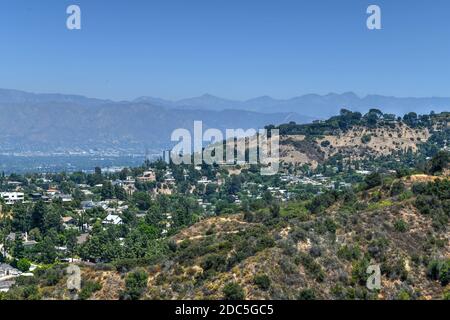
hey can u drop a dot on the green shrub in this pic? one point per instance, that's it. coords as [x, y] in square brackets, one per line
[366, 138]
[380, 205]
[439, 270]
[50, 277]
[214, 262]
[400, 225]
[23, 265]
[307, 294]
[394, 268]
[233, 291]
[446, 295]
[373, 180]
[439, 162]
[405, 195]
[403, 295]
[262, 281]
[397, 188]
[88, 288]
[135, 284]
[359, 271]
[349, 253]
[312, 266]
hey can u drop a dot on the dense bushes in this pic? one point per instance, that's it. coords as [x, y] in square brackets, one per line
[373, 180]
[135, 284]
[349, 253]
[312, 267]
[307, 294]
[23, 265]
[214, 262]
[439, 163]
[322, 202]
[434, 199]
[400, 225]
[397, 188]
[439, 270]
[51, 276]
[233, 291]
[88, 288]
[262, 281]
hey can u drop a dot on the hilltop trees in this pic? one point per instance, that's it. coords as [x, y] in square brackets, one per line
[348, 119]
[372, 117]
[410, 119]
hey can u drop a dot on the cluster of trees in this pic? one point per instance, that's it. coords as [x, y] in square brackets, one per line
[135, 285]
[348, 119]
[433, 199]
[439, 163]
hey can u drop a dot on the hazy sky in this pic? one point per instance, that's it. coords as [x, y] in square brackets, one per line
[230, 48]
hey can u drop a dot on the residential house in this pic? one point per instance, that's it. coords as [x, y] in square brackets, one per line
[7, 270]
[12, 197]
[147, 176]
[113, 219]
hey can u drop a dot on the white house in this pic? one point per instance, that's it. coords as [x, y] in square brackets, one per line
[113, 219]
[12, 197]
[204, 180]
[6, 270]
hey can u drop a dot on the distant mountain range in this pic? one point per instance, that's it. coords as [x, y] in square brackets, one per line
[311, 105]
[53, 122]
[48, 122]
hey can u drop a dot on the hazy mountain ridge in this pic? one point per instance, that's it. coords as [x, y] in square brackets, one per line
[18, 97]
[32, 121]
[50, 125]
[313, 105]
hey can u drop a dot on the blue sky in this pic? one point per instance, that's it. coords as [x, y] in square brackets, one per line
[231, 48]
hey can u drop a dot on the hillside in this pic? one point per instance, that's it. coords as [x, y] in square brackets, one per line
[320, 253]
[312, 250]
[356, 143]
[350, 137]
